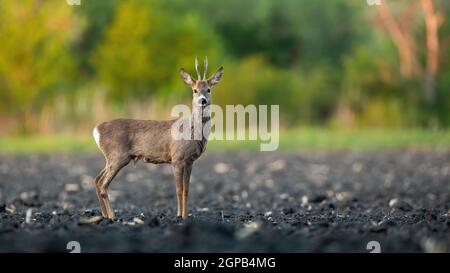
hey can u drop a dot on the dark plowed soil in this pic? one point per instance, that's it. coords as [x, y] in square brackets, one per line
[239, 201]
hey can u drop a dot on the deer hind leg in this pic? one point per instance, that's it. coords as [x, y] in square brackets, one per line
[97, 181]
[111, 170]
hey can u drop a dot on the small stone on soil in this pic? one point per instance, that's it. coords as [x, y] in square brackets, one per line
[89, 220]
[304, 200]
[72, 187]
[277, 165]
[248, 230]
[267, 214]
[221, 168]
[28, 215]
[393, 202]
[10, 209]
[400, 204]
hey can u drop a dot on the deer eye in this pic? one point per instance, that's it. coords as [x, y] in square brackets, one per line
[195, 91]
[209, 90]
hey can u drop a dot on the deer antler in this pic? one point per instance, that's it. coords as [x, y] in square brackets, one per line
[206, 68]
[196, 68]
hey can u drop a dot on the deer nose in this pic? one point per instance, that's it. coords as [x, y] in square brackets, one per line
[203, 101]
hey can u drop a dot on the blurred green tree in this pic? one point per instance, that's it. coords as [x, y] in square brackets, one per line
[96, 17]
[288, 32]
[324, 62]
[146, 45]
[35, 61]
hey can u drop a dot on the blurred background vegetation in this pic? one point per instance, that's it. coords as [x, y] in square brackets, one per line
[340, 64]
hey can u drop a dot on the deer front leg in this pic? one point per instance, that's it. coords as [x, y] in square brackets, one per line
[182, 173]
[178, 174]
[186, 179]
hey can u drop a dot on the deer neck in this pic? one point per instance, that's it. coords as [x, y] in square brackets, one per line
[200, 115]
[200, 118]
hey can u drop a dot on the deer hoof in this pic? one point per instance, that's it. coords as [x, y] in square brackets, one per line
[185, 217]
[110, 217]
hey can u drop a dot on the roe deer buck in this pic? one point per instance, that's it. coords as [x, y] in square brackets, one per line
[123, 140]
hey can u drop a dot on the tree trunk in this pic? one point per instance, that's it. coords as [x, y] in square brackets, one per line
[402, 37]
[432, 22]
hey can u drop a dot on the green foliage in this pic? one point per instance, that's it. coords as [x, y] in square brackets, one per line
[325, 63]
[34, 57]
[136, 59]
[96, 16]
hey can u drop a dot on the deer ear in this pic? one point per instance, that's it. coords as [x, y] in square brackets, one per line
[186, 77]
[214, 79]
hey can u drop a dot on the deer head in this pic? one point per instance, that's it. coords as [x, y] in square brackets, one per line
[201, 88]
